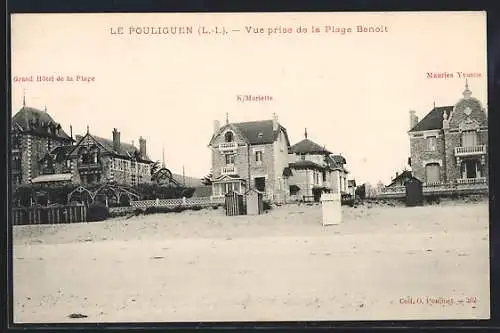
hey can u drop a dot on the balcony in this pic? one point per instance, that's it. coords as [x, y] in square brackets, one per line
[229, 169]
[228, 147]
[471, 150]
[89, 166]
[471, 181]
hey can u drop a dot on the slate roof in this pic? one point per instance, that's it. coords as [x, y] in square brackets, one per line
[406, 174]
[41, 119]
[307, 146]
[339, 159]
[126, 150]
[259, 132]
[433, 120]
[60, 153]
[305, 164]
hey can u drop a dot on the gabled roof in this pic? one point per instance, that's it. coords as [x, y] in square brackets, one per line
[406, 174]
[339, 159]
[433, 120]
[38, 122]
[60, 153]
[307, 146]
[227, 177]
[258, 132]
[305, 164]
[126, 150]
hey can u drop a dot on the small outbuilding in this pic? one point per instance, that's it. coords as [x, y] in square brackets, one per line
[254, 202]
[414, 192]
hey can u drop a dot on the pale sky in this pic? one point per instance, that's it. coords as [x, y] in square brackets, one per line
[353, 92]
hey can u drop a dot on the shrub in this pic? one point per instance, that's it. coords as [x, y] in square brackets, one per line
[151, 210]
[153, 191]
[97, 212]
[197, 207]
[266, 205]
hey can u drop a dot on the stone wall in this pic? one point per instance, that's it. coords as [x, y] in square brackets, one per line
[420, 155]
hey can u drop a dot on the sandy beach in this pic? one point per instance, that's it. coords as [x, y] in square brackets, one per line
[381, 263]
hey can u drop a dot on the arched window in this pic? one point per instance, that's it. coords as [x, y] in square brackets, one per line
[432, 173]
[469, 138]
[229, 136]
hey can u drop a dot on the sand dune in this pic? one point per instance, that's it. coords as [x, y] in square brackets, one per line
[204, 266]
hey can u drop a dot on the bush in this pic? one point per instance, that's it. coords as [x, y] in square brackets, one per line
[154, 191]
[97, 212]
[266, 205]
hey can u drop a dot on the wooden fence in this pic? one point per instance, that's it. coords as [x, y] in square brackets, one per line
[49, 214]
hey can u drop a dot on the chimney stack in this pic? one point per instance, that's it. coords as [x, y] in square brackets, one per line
[116, 139]
[142, 146]
[275, 122]
[413, 119]
[216, 126]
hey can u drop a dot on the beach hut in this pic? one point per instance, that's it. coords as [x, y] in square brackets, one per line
[255, 202]
[414, 192]
[234, 204]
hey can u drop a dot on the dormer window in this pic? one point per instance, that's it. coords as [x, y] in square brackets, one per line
[229, 136]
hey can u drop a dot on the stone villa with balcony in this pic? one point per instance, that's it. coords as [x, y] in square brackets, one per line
[250, 155]
[313, 166]
[449, 145]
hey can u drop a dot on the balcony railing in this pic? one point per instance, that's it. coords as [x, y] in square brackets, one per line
[228, 146]
[89, 166]
[472, 150]
[229, 169]
[479, 180]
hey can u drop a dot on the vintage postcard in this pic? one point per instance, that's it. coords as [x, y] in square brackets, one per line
[212, 167]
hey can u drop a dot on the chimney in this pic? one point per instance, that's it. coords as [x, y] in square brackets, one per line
[397, 174]
[216, 126]
[142, 146]
[413, 119]
[116, 139]
[275, 122]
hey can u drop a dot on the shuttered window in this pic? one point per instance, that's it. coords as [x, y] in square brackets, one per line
[432, 172]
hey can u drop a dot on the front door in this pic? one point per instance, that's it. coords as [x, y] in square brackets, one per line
[260, 183]
[469, 169]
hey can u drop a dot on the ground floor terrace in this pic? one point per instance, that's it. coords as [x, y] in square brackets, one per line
[381, 263]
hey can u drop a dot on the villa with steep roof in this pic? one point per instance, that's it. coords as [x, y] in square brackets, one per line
[250, 155]
[94, 160]
[34, 133]
[313, 166]
[43, 153]
[449, 145]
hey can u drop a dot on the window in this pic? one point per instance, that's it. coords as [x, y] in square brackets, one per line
[258, 157]
[432, 173]
[230, 159]
[470, 169]
[469, 138]
[431, 143]
[229, 137]
[302, 157]
[260, 183]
